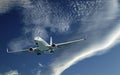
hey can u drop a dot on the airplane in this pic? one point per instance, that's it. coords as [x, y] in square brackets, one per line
[43, 47]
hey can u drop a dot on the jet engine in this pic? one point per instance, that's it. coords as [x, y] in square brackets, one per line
[53, 45]
[31, 49]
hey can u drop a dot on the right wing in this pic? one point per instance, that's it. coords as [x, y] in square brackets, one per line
[67, 43]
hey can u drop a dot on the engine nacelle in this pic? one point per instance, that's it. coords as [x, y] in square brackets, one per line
[31, 49]
[53, 45]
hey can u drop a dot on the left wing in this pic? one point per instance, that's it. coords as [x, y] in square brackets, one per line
[26, 50]
[67, 43]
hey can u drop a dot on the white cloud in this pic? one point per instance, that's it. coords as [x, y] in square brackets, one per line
[6, 5]
[42, 15]
[12, 72]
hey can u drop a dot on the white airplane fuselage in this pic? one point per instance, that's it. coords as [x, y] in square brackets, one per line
[42, 45]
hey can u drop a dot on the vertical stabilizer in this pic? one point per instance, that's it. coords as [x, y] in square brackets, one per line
[50, 40]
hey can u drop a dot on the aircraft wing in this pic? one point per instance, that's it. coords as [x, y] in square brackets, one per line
[26, 50]
[70, 42]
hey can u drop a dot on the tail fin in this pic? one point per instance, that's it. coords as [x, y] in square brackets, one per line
[50, 40]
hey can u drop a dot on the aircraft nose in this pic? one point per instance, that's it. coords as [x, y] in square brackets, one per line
[37, 38]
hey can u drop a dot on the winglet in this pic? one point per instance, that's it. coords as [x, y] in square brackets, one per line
[7, 50]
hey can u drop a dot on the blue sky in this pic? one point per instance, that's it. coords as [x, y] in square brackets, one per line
[107, 64]
[21, 21]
